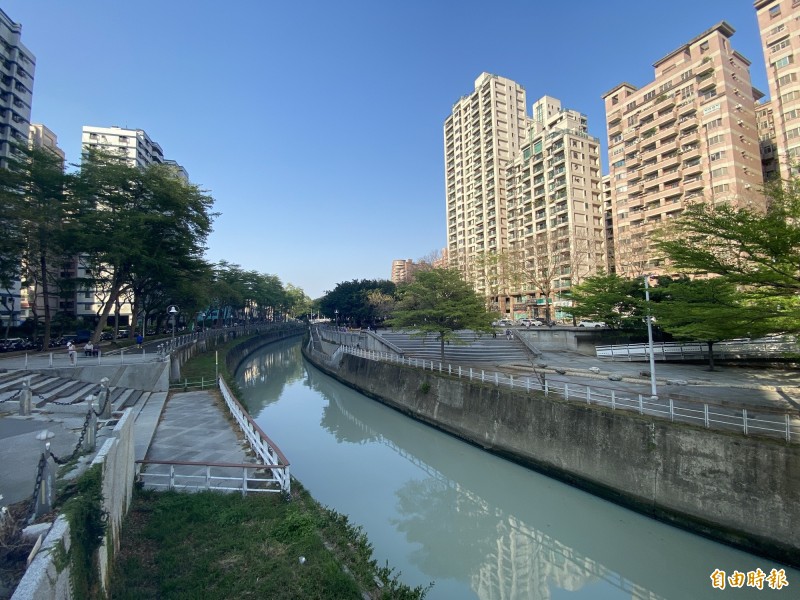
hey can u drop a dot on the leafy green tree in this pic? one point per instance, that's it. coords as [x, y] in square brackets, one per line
[137, 222]
[707, 310]
[36, 214]
[439, 302]
[351, 300]
[758, 251]
[610, 298]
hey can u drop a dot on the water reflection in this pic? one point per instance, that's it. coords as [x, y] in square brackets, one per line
[477, 525]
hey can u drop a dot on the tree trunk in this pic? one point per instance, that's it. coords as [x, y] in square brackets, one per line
[441, 342]
[45, 300]
[710, 356]
[113, 295]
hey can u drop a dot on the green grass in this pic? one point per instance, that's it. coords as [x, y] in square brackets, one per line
[210, 545]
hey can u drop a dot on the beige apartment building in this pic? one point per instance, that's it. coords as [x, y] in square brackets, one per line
[690, 135]
[481, 137]
[556, 230]
[403, 270]
[767, 140]
[779, 24]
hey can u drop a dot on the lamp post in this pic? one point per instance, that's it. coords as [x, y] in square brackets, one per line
[202, 316]
[173, 312]
[650, 337]
[336, 315]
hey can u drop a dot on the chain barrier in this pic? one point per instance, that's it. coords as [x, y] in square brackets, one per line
[103, 407]
[69, 403]
[11, 397]
[63, 461]
[36, 488]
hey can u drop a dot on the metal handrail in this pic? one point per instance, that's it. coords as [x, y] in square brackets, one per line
[209, 481]
[705, 414]
[264, 447]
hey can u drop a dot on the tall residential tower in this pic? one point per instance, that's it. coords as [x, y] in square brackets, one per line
[688, 136]
[17, 66]
[481, 136]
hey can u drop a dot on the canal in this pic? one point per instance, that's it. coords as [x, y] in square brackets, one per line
[440, 510]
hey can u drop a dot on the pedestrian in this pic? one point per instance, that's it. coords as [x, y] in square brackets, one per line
[73, 356]
[139, 340]
[88, 349]
[508, 334]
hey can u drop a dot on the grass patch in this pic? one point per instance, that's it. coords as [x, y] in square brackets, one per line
[210, 545]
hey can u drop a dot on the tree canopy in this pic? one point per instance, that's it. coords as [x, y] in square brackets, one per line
[355, 301]
[438, 301]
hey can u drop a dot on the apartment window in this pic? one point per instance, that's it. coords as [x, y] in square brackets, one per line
[619, 163]
[715, 139]
[779, 28]
[789, 96]
[714, 124]
[630, 106]
[782, 62]
[686, 75]
[704, 47]
[793, 133]
[649, 96]
[788, 78]
[784, 43]
[687, 92]
[721, 188]
[717, 155]
[719, 172]
[664, 86]
[774, 11]
[633, 120]
[792, 114]
[614, 99]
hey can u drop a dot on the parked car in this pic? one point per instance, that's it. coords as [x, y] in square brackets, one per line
[106, 336]
[122, 333]
[591, 324]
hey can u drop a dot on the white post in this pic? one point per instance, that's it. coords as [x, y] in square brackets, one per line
[470, 373]
[588, 395]
[566, 391]
[613, 401]
[671, 411]
[483, 378]
[496, 381]
[641, 407]
[788, 429]
[744, 420]
[650, 337]
[705, 414]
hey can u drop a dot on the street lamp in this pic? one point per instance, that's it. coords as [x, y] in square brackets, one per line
[336, 314]
[202, 316]
[173, 312]
[650, 337]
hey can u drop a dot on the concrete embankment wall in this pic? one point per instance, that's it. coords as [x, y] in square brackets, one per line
[238, 354]
[48, 578]
[737, 489]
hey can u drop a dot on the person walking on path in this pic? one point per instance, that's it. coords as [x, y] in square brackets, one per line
[73, 355]
[139, 340]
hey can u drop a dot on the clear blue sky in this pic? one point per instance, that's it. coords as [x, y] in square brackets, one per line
[317, 126]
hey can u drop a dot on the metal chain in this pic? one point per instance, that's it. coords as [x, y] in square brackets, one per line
[63, 461]
[11, 397]
[102, 408]
[71, 402]
[37, 487]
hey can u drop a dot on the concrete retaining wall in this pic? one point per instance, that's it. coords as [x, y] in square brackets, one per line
[44, 580]
[736, 489]
[239, 353]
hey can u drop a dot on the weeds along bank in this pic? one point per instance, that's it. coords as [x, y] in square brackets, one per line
[738, 489]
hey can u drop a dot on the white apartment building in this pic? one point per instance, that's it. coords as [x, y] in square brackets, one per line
[17, 67]
[133, 144]
[779, 24]
[556, 225]
[690, 135]
[481, 136]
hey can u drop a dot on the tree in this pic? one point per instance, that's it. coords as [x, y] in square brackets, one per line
[609, 298]
[137, 222]
[708, 310]
[351, 300]
[759, 251]
[36, 214]
[440, 302]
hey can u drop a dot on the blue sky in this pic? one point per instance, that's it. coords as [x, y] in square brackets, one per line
[317, 126]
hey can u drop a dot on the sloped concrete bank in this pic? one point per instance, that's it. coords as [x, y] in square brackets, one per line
[737, 489]
[236, 355]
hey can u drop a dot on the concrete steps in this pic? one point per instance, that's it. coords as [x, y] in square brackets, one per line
[484, 349]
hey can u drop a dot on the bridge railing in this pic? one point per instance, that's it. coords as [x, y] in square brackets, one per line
[761, 421]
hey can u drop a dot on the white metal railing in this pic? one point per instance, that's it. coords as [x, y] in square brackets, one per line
[773, 424]
[696, 350]
[186, 475]
[265, 448]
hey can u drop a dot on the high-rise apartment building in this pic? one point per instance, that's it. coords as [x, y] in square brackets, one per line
[688, 136]
[481, 136]
[767, 140]
[17, 67]
[779, 23]
[133, 144]
[556, 229]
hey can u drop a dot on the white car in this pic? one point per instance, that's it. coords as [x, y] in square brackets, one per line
[591, 324]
